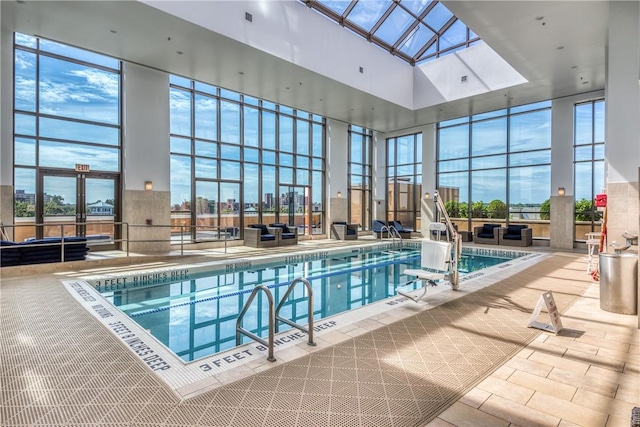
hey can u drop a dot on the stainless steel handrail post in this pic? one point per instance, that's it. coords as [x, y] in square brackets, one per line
[456, 238]
[309, 330]
[240, 330]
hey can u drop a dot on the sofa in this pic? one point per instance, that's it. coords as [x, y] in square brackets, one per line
[285, 235]
[487, 234]
[260, 236]
[342, 231]
[40, 251]
[516, 235]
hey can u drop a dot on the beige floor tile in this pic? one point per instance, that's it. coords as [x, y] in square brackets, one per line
[531, 366]
[518, 414]
[604, 404]
[573, 344]
[591, 383]
[544, 385]
[624, 379]
[629, 394]
[581, 415]
[475, 397]
[595, 359]
[565, 423]
[600, 342]
[572, 365]
[503, 372]
[462, 415]
[507, 390]
[439, 422]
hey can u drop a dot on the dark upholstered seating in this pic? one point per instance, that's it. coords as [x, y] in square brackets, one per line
[376, 227]
[516, 235]
[405, 233]
[285, 235]
[39, 251]
[487, 234]
[260, 236]
[342, 231]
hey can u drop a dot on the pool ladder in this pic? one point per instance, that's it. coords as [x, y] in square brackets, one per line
[275, 318]
[392, 232]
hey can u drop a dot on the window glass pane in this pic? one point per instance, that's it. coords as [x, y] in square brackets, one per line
[286, 175]
[530, 131]
[24, 125]
[405, 170]
[25, 40]
[487, 186]
[25, 80]
[598, 121]
[530, 158]
[416, 40]
[81, 92]
[338, 6]
[179, 81]
[206, 117]
[529, 107]
[180, 183]
[229, 170]
[74, 131]
[250, 184]
[453, 142]
[268, 130]
[405, 150]
[584, 152]
[489, 115]
[251, 155]
[355, 151]
[285, 110]
[229, 94]
[206, 88]
[180, 112]
[269, 157]
[489, 162]
[269, 199]
[454, 122]
[583, 181]
[286, 159]
[302, 177]
[206, 168]
[302, 137]
[317, 183]
[598, 178]
[598, 151]
[251, 119]
[231, 152]
[438, 16]
[25, 194]
[66, 155]
[208, 149]
[302, 162]
[230, 122]
[25, 151]
[583, 123]
[268, 105]
[74, 52]
[456, 34]
[180, 145]
[529, 186]
[286, 134]
[250, 100]
[394, 26]
[317, 164]
[366, 14]
[489, 137]
[317, 141]
[453, 165]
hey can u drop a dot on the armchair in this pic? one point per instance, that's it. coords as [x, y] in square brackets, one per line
[487, 234]
[342, 231]
[516, 235]
[260, 236]
[285, 235]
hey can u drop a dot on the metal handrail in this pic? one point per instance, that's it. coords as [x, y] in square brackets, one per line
[240, 330]
[393, 231]
[452, 236]
[389, 233]
[309, 330]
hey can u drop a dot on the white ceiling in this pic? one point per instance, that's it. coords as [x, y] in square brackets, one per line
[150, 37]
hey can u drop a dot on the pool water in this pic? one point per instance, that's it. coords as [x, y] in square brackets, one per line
[197, 317]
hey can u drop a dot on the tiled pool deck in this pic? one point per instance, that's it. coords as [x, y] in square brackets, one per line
[463, 358]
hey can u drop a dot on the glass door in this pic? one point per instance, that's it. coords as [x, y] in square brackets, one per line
[58, 206]
[295, 208]
[99, 213]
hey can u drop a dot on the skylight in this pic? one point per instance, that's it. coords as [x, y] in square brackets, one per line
[413, 30]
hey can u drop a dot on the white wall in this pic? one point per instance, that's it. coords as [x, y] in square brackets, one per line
[146, 128]
[6, 106]
[290, 31]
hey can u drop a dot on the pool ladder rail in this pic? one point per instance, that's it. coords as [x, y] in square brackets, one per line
[392, 232]
[275, 318]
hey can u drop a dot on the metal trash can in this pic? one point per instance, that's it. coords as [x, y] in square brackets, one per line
[619, 282]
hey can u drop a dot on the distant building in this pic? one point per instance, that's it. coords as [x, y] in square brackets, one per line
[100, 208]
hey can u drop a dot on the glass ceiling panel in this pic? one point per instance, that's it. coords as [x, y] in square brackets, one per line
[366, 14]
[401, 30]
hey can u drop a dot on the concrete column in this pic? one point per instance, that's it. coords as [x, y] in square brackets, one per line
[336, 172]
[6, 127]
[146, 157]
[427, 206]
[380, 186]
[622, 148]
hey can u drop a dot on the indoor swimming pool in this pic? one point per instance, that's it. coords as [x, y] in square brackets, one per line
[194, 314]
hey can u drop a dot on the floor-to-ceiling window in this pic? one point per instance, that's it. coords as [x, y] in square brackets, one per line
[588, 156]
[404, 180]
[67, 140]
[360, 176]
[496, 167]
[237, 160]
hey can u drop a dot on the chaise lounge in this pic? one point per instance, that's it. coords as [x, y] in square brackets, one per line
[487, 234]
[516, 235]
[260, 236]
[342, 231]
[40, 251]
[405, 233]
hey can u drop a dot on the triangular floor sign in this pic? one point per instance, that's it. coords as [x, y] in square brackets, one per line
[546, 299]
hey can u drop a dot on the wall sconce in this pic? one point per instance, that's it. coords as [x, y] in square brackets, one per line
[148, 185]
[339, 194]
[560, 191]
[427, 196]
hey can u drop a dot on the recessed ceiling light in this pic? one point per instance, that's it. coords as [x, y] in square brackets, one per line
[584, 83]
[560, 47]
[287, 88]
[539, 18]
[113, 31]
[179, 52]
[574, 67]
[241, 72]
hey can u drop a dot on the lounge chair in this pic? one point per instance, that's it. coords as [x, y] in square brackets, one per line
[405, 233]
[487, 234]
[380, 229]
[342, 231]
[260, 236]
[285, 235]
[516, 235]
